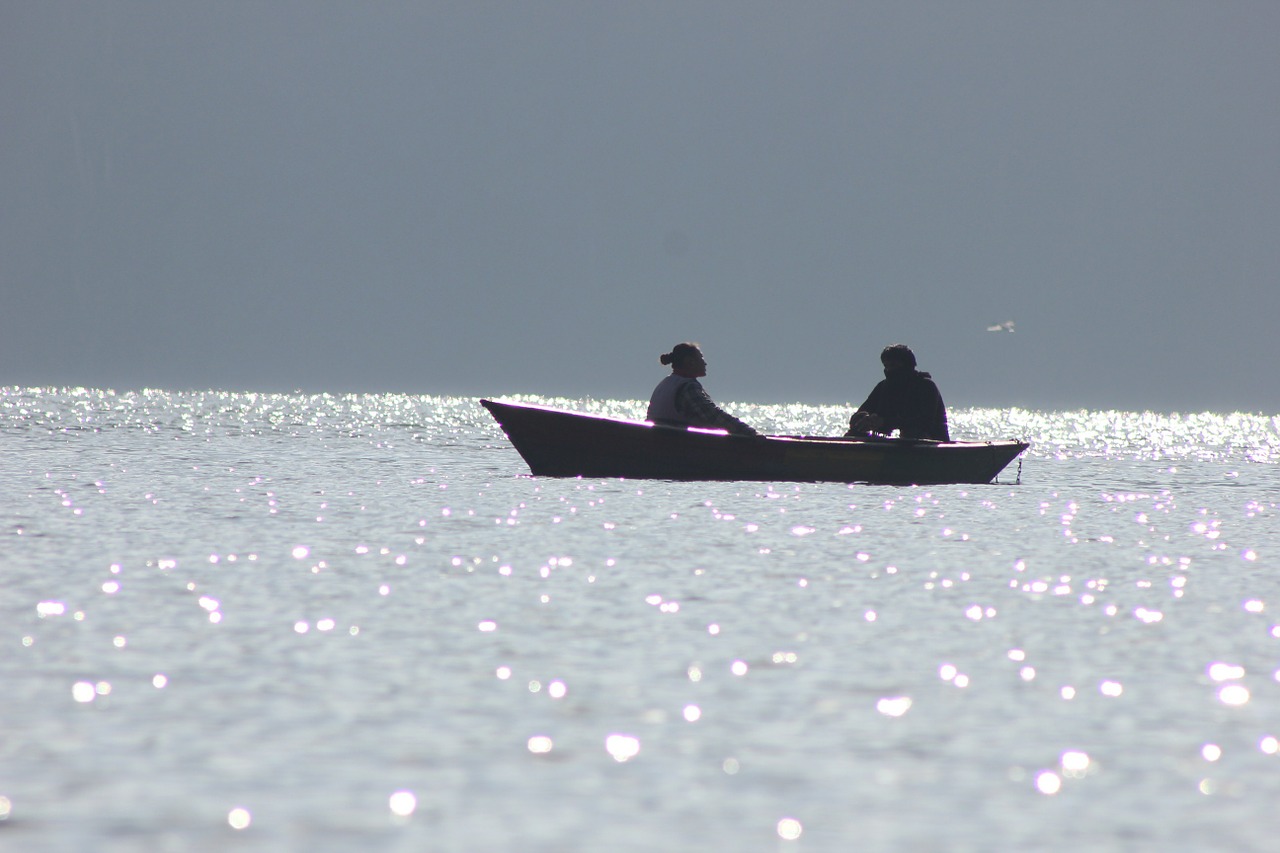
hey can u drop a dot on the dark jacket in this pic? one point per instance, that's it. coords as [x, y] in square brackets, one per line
[910, 404]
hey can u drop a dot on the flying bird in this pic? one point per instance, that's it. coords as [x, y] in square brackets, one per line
[1006, 326]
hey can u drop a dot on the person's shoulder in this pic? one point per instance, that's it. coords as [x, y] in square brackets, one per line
[928, 387]
[878, 389]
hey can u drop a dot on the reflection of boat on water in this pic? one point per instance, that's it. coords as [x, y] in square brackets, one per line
[556, 443]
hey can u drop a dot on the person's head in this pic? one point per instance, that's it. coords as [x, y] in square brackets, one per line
[897, 359]
[685, 359]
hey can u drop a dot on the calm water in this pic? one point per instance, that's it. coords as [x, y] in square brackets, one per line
[288, 622]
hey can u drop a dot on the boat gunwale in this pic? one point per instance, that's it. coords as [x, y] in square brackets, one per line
[870, 440]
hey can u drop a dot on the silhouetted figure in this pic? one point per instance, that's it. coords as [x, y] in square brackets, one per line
[906, 400]
[679, 400]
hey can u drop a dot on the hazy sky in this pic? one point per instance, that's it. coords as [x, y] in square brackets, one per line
[541, 197]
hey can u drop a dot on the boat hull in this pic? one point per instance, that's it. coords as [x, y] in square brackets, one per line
[557, 443]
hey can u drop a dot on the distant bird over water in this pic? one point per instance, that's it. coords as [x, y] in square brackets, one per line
[1006, 326]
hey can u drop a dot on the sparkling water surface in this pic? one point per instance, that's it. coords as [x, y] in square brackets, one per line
[288, 622]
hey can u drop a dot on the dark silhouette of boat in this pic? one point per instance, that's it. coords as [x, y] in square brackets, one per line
[557, 443]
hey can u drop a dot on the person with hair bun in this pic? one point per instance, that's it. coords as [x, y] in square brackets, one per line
[906, 400]
[679, 400]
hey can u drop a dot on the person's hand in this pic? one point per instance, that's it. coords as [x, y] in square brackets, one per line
[862, 423]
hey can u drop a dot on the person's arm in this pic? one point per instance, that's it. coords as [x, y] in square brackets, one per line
[866, 419]
[694, 403]
[925, 416]
[864, 423]
[941, 430]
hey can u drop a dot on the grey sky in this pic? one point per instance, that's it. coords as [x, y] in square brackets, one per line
[494, 198]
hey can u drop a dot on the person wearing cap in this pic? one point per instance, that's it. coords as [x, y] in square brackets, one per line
[680, 400]
[906, 400]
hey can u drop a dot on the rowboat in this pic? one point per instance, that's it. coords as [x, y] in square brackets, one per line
[558, 443]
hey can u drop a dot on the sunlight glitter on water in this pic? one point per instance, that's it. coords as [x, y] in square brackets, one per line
[789, 829]
[1048, 782]
[1225, 672]
[403, 803]
[802, 642]
[622, 747]
[894, 706]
